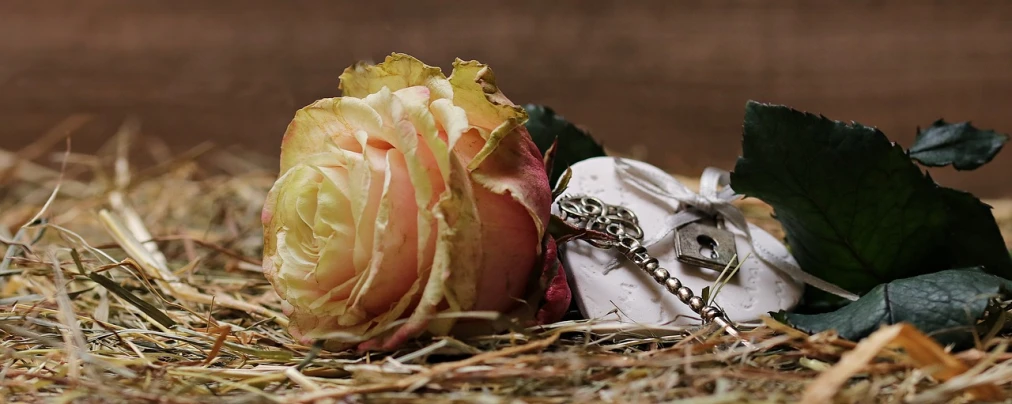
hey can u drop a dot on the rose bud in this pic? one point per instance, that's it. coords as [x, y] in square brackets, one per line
[412, 195]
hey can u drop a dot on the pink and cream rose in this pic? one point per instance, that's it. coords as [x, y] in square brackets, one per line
[412, 195]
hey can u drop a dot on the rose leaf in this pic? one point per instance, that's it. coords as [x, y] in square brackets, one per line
[856, 210]
[945, 305]
[959, 144]
[574, 144]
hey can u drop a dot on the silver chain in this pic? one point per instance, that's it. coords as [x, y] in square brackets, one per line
[621, 223]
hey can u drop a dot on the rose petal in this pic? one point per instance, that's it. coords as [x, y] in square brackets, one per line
[474, 91]
[333, 212]
[283, 257]
[457, 252]
[394, 258]
[515, 168]
[402, 111]
[508, 262]
[510, 237]
[335, 271]
[370, 178]
[329, 121]
[508, 162]
[396, 72]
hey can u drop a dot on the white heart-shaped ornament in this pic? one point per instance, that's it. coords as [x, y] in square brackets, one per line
[627, 294]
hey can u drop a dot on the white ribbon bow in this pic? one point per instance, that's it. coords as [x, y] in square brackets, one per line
[710, 201]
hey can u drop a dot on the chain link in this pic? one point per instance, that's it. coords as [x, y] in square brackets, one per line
[621, 223]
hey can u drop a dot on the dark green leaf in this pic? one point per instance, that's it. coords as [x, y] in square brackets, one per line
[945, 305]
[856, 210]
[574, 144]
[74, 295]
[137, 302]
[959, 144]
[122, 292]
[974, 238]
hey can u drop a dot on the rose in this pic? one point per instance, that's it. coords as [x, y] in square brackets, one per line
[413, 194]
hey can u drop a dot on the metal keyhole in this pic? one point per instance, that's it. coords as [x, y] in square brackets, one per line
[707, 246]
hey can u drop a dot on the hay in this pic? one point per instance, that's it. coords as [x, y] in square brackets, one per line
[140, 282]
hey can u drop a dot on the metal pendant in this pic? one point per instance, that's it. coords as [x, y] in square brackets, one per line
[705, 245]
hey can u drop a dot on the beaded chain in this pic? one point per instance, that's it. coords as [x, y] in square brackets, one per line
[621, 223]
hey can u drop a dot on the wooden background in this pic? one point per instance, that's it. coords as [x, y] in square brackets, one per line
[664, 80]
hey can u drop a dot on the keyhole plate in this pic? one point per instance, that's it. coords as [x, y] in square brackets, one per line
[705, 246]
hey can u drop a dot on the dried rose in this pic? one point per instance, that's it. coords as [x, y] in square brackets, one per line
[412, 194]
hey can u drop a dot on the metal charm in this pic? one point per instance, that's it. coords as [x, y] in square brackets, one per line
[706, 246]
[623, 225]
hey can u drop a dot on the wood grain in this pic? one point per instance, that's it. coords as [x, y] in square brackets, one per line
[664, 80]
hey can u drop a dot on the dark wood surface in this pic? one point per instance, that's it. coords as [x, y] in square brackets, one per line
[664, 80]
